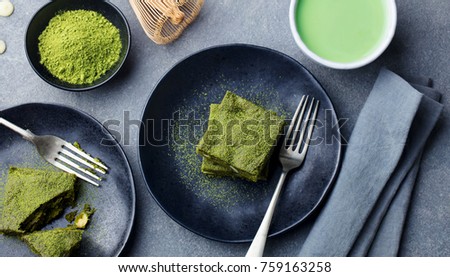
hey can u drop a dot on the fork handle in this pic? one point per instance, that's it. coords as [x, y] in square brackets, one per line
[26, 134]
[259, 241]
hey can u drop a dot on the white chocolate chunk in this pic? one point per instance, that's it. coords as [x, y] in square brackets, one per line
[2, 47]
[6, 8]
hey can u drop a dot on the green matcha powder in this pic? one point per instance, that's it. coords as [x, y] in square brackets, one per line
[79, 46]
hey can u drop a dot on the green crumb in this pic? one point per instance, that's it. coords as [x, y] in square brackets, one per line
[77, 145]
[33, 198]
[70, 217]
[82, 219]
[60, 242]
[96, 166]
[100, 162]
[79, 46]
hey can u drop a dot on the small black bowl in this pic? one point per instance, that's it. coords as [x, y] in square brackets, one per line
[40, 21]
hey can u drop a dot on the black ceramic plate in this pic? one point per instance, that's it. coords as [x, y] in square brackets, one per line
[114, 200]
[226, 209]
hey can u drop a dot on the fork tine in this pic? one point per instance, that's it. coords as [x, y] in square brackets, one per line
[296, 144]
[305, 122]
[300, 107]
[82, 161]
[84, 155]
[77, 167]
[310, 127]
[69, 170]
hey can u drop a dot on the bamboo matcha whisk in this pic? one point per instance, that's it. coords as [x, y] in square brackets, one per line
[164, 20]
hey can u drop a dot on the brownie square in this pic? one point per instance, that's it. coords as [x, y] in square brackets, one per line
[240, 135]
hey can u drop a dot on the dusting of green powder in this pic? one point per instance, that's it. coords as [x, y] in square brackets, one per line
[79, 46]
[220, 192]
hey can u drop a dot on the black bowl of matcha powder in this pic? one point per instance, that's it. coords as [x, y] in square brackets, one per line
[79, 44]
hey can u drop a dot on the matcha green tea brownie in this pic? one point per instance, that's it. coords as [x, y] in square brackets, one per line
[240, 135]
[59, 242]
[208, 166]
[211, 168]
[33, 198]
[214, 169]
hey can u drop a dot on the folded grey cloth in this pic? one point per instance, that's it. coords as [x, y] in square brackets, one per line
[366, 210]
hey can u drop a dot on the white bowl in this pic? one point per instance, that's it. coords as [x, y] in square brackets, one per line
[386, 40]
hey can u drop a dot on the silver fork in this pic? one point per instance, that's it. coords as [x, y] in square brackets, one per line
[63, 154]
[292, 154]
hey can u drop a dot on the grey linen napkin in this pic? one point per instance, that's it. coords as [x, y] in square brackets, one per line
[366, 210]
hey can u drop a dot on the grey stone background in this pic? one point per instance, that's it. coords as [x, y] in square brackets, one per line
[421, 47]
